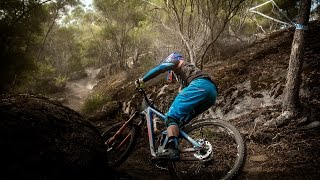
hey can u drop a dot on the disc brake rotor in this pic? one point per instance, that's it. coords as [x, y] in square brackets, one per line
[205, 152]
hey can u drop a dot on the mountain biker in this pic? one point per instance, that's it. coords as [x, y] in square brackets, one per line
[198, 94]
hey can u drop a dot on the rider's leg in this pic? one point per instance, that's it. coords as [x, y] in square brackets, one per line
[193, 100]
[173, 130]
[173, 134]
[172, 147]
[172, 126]
[198, 110]
[199, 92]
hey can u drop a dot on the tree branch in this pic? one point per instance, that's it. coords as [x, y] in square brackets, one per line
[25, 12]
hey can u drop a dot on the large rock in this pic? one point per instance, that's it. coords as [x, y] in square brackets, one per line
[41, 139]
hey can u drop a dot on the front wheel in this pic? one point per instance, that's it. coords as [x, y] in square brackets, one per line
[222, 155]
[119, 149]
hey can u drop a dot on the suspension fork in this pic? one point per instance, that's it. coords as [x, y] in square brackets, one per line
[123, 127]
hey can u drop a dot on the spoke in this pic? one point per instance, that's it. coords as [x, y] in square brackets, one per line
[201, 132]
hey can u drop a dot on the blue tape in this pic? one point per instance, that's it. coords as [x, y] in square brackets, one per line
[301, 27]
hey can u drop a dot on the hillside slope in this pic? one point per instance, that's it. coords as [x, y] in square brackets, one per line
[250, 93]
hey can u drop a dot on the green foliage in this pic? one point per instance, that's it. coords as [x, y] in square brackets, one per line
[61, 80]
[26, 83]
[123, 19]
[74, 64]
[89, 62]
[45, 70]
[290, 7]
[146, 62]
[22, 24]
[36, 43]
[18, 30]
[95, 102]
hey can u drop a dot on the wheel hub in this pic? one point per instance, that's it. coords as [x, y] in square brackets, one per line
[204, 153]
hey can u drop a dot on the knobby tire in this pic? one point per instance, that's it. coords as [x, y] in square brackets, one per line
[219, 161]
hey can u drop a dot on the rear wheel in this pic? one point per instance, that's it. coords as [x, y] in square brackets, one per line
[222, 156]
[120, 148]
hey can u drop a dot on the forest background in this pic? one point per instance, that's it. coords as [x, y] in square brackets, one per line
[45, 43]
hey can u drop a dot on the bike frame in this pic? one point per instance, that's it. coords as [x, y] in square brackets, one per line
[201, 150]
[149, 113]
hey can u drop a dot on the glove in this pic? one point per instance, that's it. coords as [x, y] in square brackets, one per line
[139, 83]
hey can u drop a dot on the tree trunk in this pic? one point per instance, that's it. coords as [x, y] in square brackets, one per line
[46, 36]
[291, 98]
[189, 48]
[136, 55]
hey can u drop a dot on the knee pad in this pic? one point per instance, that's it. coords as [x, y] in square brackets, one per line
[171, 121]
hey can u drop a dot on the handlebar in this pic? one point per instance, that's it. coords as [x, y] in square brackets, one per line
[146, 101]
[144, 94]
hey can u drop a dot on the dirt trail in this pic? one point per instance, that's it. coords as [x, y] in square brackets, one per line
[77, 91]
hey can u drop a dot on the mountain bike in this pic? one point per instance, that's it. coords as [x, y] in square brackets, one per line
[209, 148]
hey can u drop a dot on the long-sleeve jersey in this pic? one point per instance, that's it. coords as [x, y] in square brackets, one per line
[185, 73]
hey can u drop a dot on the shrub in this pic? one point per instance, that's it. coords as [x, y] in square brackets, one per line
[61, 81]
[95, 102]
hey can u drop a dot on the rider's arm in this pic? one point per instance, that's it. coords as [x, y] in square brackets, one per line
[159, 69]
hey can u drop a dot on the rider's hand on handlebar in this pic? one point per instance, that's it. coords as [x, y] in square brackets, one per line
[139, 83]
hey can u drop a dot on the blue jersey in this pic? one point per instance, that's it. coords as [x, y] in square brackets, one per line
[166, 66]
[185, 72]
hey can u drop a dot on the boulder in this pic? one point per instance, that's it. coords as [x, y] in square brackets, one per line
[41, 139]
